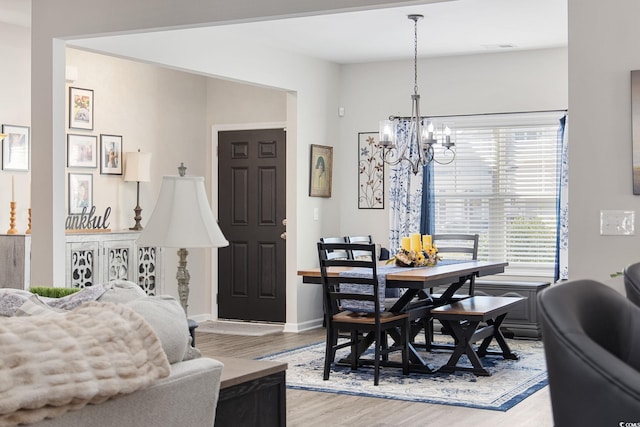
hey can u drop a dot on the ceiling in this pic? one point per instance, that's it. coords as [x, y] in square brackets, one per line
[458, 27]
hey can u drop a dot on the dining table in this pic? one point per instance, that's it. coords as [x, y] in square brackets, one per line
[417, 284]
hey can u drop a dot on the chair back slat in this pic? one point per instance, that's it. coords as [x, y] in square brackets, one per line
[461, 246]
[333, 254]
[355, 254]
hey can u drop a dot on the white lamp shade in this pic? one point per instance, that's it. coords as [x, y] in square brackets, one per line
[137, 166]
[182, 217]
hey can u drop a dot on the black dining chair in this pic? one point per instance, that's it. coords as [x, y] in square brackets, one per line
[591, 337]
[352, 303]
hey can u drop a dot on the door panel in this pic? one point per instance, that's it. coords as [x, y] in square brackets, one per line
[252, 182]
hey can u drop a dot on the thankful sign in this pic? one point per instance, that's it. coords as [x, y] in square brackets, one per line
[88, 220]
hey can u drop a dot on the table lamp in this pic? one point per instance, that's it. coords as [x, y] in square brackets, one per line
[137, 169]
[182, 218]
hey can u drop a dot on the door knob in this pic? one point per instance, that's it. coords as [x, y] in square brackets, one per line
[283, 236]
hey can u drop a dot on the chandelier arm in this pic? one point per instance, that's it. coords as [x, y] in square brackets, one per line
[448, 156]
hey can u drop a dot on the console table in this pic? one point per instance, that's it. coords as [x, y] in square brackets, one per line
[89, 258]
[252, 393]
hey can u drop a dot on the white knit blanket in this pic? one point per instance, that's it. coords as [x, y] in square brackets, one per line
[50, 365]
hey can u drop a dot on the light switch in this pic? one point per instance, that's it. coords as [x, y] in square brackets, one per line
[614, 223]
[316, 214]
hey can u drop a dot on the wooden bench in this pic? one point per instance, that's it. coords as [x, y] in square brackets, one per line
[252, 393]
[463, 319]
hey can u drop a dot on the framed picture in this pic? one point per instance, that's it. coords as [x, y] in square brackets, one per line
[320, 171]
[370, 172]
[80, 108]
[15, 148]
[110, 154]
[80, 192]
[82, 151]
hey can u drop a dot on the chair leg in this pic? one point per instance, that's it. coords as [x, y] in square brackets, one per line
[405, 347]
[354, 350]
[330, 350]
[428, 332]
[385, 346]
[376, 361]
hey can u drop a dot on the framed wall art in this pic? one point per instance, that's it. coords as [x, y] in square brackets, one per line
[80, 192]
[370, 172]
[15, 148]
[82, 151]
[110, 154]
[80, 108]
[320, 171]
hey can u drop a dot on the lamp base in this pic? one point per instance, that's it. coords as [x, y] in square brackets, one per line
[138, 217]
[183, 277]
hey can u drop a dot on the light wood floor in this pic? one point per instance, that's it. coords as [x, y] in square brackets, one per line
[308, 409]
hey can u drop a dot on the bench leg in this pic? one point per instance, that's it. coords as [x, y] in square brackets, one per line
[463, 333]
[497, 334]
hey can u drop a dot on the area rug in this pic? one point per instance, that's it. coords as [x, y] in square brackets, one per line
[239, 328]
[511, 381]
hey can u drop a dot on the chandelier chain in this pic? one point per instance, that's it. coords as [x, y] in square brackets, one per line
[415, 56]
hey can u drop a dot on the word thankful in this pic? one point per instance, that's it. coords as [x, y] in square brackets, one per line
[88, 220]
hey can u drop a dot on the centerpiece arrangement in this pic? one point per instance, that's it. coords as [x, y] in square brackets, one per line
[416, 251]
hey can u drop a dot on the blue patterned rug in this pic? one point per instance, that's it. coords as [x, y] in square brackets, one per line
[511, 381]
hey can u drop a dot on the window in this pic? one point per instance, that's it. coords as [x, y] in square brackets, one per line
[503, 185]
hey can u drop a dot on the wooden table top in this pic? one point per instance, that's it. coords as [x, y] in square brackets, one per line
[237, 371]
[441, 272]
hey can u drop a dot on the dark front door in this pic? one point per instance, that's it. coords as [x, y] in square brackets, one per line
[252, 184]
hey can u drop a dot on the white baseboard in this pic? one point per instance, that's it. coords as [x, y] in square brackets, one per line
[304, 326]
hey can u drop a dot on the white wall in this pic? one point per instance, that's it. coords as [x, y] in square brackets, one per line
[232, 103]
[15, 109]
[311, 102]
[474, 84]
[169, 114]
[603, 49]
[315, 86]
[156, 110]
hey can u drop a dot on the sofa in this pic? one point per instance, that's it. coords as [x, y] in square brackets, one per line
[107, 356]
[186, 398]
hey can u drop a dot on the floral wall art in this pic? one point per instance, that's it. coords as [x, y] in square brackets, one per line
[370, 172]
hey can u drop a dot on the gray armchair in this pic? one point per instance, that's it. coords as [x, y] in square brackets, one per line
[632, 282]
[591, 338]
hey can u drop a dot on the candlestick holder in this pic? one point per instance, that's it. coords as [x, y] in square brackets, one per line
[12, 219]
[29, 222]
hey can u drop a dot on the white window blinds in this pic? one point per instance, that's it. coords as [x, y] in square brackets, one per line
[503, 185]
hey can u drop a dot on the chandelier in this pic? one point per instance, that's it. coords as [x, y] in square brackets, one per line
[421, 138]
